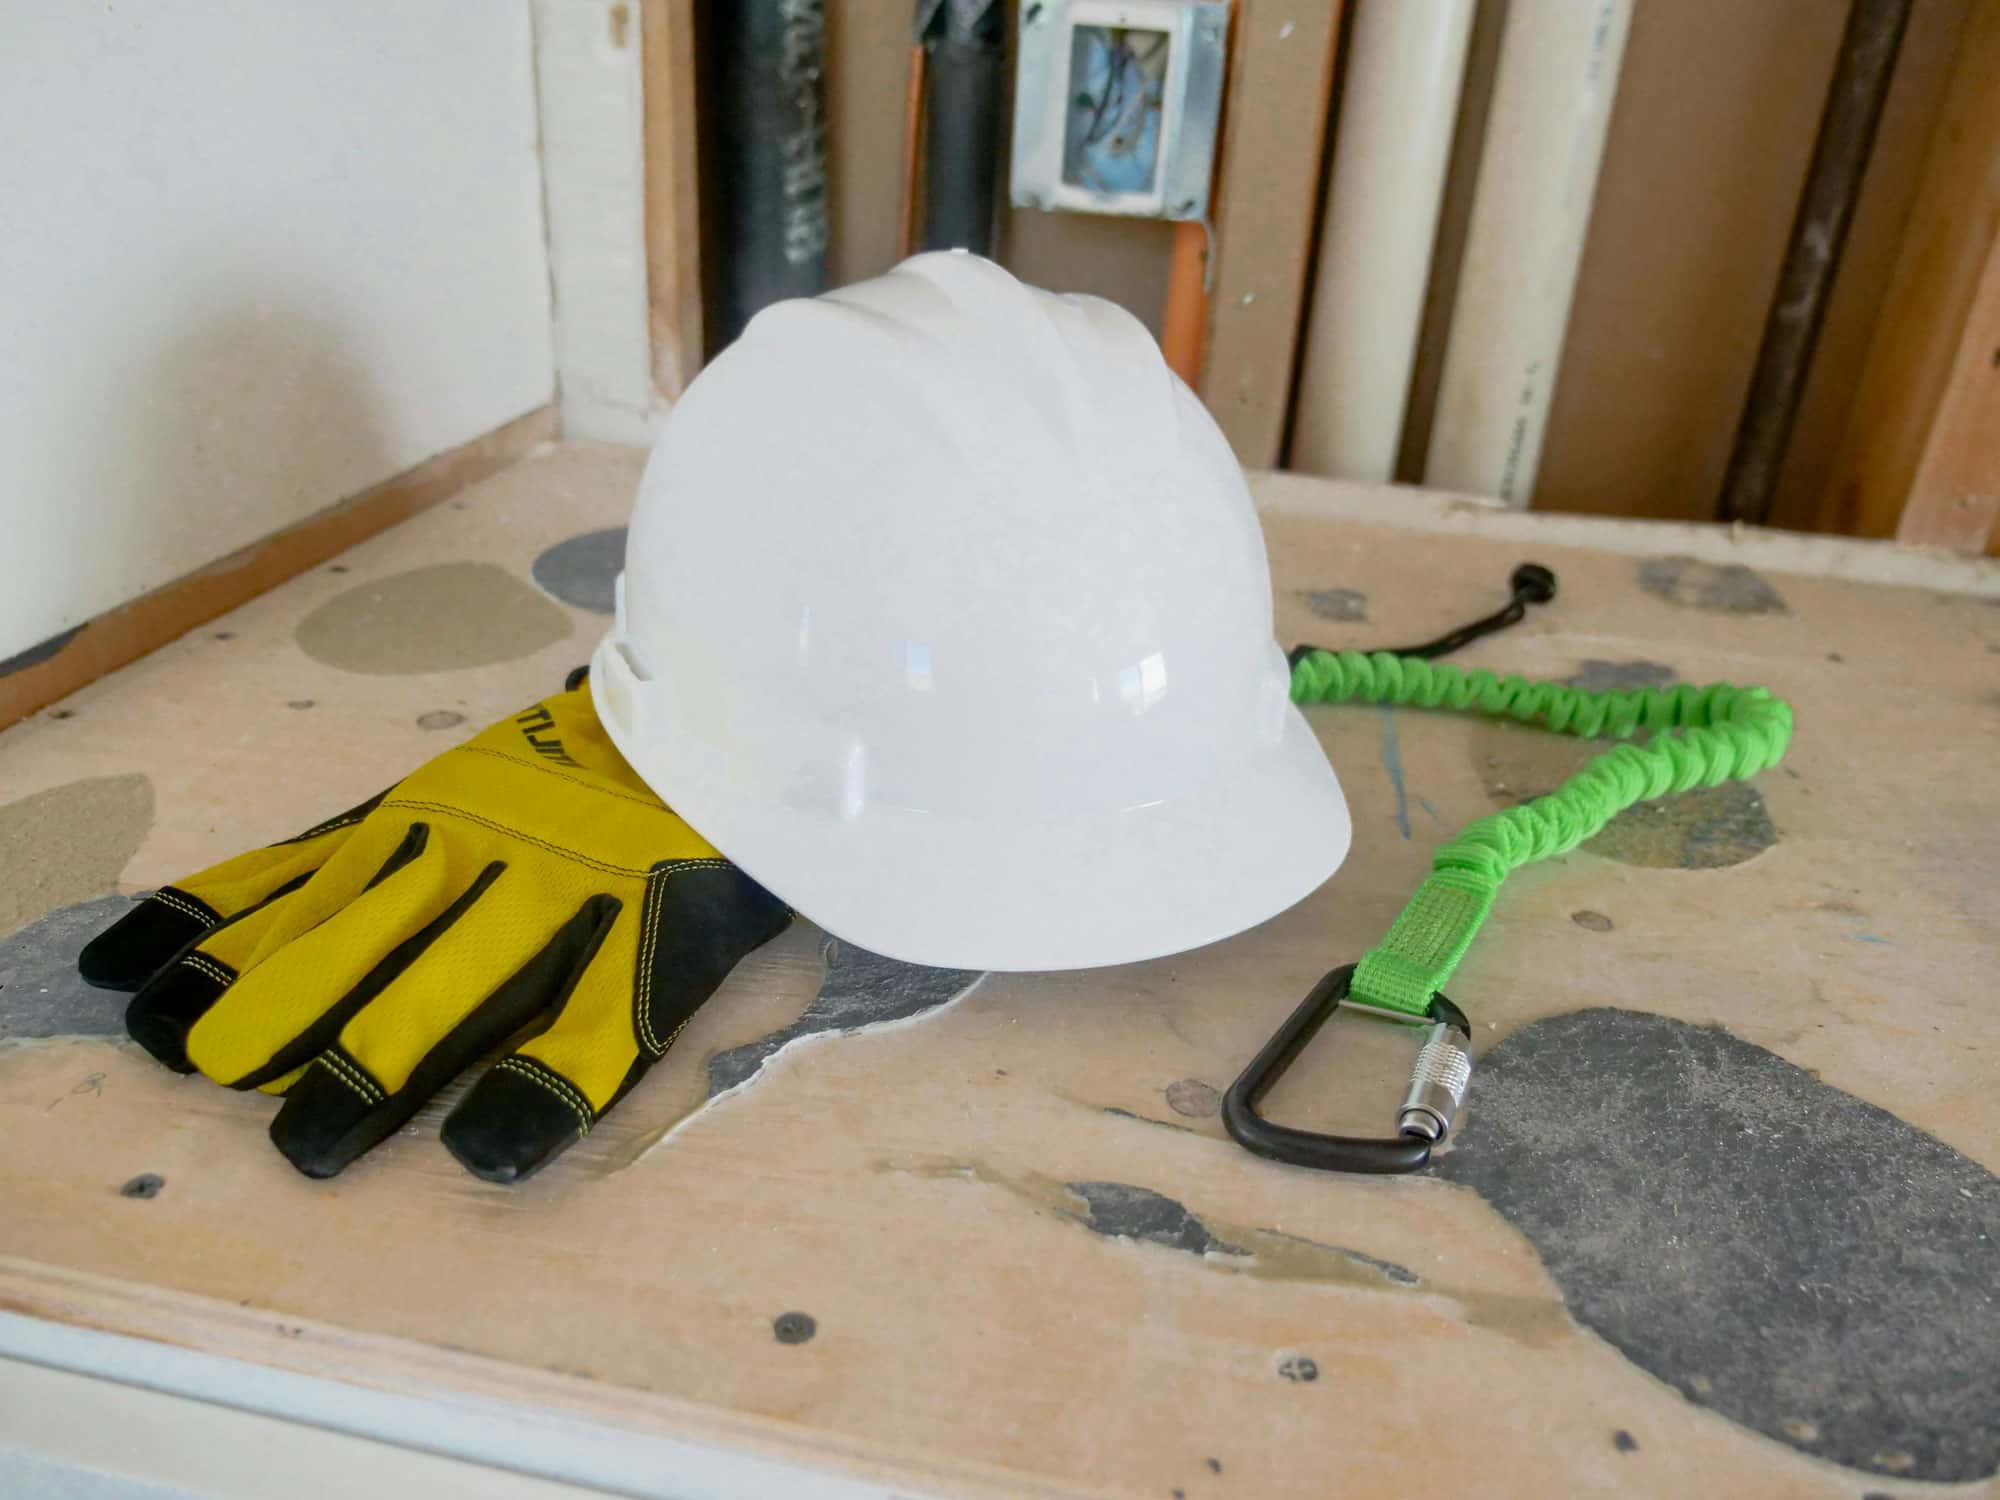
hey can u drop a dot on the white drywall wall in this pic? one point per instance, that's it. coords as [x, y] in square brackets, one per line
[255, 256]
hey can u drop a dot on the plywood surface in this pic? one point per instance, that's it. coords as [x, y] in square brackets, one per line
[1031, 1261]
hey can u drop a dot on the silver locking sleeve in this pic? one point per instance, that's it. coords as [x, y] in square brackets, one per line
[1437, 1083]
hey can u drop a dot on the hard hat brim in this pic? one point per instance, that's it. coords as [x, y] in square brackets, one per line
[1010, 894]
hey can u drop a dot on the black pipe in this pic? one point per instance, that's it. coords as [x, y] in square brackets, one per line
[965, 49]
[766, 71]
[1861, 78]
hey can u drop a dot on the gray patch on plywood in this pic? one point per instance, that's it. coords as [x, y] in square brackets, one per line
[441, 618]
[1708, 828]
[41, 651]
[1795, 1259]
[1729, 588]
[69, 843]
[1348, 606]
[1125, 1212]
[1598, 676]
[41, 994]
[1193, 1097]
[859, 989]
[583, 570]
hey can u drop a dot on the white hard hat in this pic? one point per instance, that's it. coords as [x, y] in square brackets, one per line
[946, 615]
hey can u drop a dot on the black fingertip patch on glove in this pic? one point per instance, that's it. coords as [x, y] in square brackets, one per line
[143, 941]
[166, 1008]
[332, 1114]
[518, 1118]
[338, 1109]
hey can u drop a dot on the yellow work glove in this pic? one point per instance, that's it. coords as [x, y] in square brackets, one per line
[524, 885]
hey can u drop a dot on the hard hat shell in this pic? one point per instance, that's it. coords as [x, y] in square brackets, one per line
[946, 615]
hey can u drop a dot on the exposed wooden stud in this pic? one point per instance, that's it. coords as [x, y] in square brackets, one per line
[867, 136]
[673, 207]
[1955, 497]
[1273, 139]
[1923, 350]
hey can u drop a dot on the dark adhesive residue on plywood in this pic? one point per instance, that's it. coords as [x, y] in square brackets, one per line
[1135, 1213]
[859, 989]
[41, 994]
[441, 618]
[1799, 1261]
[69, 843]
[1729, 588]
[583, 570]
[1705, 829]
[1141, 1215]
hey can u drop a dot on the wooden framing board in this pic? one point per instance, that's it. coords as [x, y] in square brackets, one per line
[1266, 204]
[1910, 454]
[673, 205]
[867, 104]
[1954, 499]
[124, 634]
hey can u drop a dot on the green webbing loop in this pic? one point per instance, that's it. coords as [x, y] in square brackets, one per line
[1696, 736]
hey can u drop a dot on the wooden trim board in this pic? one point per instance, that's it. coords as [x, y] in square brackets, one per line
[124, 634]
[673, 210]
[1267, 199]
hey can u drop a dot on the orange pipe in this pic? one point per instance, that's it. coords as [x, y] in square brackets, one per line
[913, 130]
[1184, 321]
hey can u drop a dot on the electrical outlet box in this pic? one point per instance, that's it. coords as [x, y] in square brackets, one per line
[1116, 104]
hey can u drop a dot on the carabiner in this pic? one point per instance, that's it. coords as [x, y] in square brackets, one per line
[1437, 1085]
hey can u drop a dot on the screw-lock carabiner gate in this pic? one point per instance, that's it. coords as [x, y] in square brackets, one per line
[1437, 1085]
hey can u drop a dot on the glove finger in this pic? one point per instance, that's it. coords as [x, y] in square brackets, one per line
[291, 1004]
[653, 970]
[178, 995]
[479, 983]
[147, 938]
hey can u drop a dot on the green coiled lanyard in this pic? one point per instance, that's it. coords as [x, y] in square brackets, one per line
[1692, 737]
